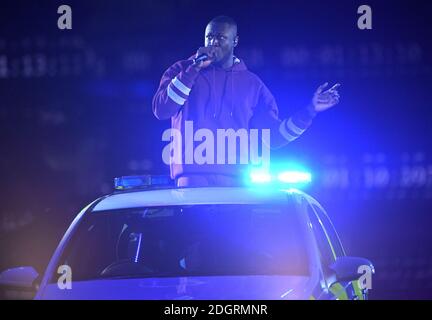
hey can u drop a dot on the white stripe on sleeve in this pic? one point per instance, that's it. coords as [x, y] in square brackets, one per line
[290, 125]
[175, 97]
[179, 85]
[284, 132]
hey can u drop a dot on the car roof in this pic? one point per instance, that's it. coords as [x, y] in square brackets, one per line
[194, 196]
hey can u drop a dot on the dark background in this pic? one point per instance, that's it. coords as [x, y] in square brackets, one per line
[75, 111]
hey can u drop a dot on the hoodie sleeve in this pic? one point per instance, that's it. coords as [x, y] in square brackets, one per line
[282, 132]
[174, 89]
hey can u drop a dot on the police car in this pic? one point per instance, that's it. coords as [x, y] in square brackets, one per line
[151, 240]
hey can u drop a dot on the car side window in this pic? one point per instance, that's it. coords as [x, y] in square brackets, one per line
[331, 232]
[325, 249]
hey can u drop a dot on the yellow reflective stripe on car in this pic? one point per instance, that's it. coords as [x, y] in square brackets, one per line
[339, 291]
[357, 290]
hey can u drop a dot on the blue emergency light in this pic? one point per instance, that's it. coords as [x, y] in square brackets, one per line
[144, 181]
[294, 177]
[267, 178]
[260, 177]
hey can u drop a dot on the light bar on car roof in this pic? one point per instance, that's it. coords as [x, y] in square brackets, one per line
[144, 181]
[262, 177]
[294, 177]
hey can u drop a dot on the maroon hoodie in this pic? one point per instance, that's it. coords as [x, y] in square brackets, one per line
[214, 98]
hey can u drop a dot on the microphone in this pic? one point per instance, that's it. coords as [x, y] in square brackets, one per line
[201, 58]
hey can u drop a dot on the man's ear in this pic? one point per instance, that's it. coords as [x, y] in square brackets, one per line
[236, 40]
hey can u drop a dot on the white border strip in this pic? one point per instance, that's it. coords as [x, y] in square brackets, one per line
[283, 131]
[179, 85]
[290, 125]
[175, 97]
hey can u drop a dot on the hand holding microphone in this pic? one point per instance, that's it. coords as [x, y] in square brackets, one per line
[204, 57]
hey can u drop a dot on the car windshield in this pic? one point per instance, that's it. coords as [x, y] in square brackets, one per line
[178, 241]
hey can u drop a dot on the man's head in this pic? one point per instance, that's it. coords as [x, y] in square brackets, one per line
[221, 32]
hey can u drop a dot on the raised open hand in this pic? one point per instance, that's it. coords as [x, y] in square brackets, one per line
[323, 100]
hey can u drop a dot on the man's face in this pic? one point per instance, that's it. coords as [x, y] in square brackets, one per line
[222, 36]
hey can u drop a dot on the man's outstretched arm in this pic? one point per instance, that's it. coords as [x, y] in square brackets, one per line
[288, 130]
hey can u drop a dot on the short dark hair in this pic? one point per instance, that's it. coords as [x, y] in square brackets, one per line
[225, 19]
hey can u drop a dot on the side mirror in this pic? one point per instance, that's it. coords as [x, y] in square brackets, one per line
[351, 268]
[18, 283]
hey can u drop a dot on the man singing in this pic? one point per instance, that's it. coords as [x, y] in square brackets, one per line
[217, 91]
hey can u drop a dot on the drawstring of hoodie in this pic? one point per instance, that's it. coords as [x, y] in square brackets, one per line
[224, 91]
[214, 90]
[232, 91]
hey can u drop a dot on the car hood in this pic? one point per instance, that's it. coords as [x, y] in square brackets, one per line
[186, 288]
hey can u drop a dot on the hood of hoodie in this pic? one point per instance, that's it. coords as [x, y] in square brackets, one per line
[211, 74]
